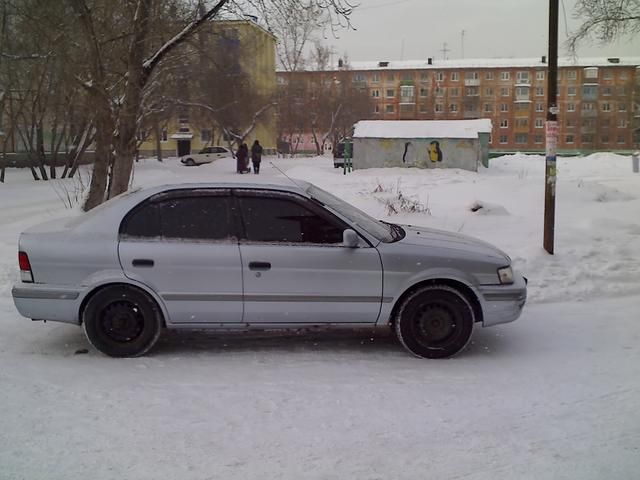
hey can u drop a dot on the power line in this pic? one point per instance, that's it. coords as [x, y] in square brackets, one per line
[383, 5]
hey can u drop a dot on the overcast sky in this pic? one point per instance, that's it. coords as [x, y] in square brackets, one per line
[417, 29]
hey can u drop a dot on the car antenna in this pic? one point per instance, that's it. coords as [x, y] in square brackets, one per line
[292, 180]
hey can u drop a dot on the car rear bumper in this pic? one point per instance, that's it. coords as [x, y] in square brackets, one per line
[47, 302]
[503, 303]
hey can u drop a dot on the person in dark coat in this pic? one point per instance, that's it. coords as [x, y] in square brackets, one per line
[256, 156]
[242, 158]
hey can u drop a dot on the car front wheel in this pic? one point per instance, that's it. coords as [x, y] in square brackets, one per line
[190, 162]
[122, 321]
[435, 321]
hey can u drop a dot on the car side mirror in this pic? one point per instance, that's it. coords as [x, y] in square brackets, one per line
[350, 238]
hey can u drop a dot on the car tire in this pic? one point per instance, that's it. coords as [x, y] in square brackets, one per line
[122, 321]
[435, 321]
[189, 162]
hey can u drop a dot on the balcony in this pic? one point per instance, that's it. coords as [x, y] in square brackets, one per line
[407, 100]
[472, 115]
[522, 99]
[472, 82]
[588, 113]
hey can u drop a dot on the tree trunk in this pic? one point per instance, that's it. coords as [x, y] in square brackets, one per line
[104, 129]
[40, 155]
[127, 127]
[158, 133]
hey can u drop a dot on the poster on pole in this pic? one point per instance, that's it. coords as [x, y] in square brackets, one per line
[552, 138]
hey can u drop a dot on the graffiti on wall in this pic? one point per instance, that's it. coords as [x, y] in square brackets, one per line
[435, 154]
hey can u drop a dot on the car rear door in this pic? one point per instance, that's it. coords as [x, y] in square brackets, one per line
[183, 244]
[295, 267]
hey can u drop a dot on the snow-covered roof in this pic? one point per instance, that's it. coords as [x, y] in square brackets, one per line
[436, 64]
[421, 128]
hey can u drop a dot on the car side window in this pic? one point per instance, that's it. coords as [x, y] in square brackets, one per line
[219, 150]
[275, 219]
[196, 218]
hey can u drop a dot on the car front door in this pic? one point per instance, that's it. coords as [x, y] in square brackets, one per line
[183, 244]
[296, 270]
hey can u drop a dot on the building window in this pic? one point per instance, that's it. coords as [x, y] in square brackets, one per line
[522, 122]
[504, 123]
[606, 91]
[184, 130]
[539, 91]
[606, 107]
[505, 91]
[622, 123]
[455, 76]
[389, 109]
[439, 91]
[358, 77]
[621, 139]
[183, 118]
[538, 138]
[423, 108]
[571, 75]
[472, 91]
[504, 139]
[586, 138]
[407, 76]
[376, 109]
[440, 76]
[375, 78]
[591, 73]
[589, 91]
[570, 122]
[488, 75]
[424, 92]
[522, 107]
[589, 122]
[424, 77]
[587, 106]
[164, 136]
[604, 139]
[488, 92]
[622, 107]
[540, 75]
[522, 138]
[407, 108]
[607, 75]
[522, 77]
[568, 138]
[622, 91]
[375, 93]
[571, 91]
[471, 76]
[504, 107]
[505, 75]
[391, 93]
[454, 92]
[488, 108]
[205, 135]
[539, 107]
[390, 77]
[407, 93]
[453, 108]
[539, 122]
[439, 108]
[623, 75]
[571, 107]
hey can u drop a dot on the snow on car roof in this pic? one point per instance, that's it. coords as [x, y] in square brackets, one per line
[421, 128]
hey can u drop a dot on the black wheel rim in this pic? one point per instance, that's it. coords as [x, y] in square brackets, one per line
[122, 321]
[436, 325]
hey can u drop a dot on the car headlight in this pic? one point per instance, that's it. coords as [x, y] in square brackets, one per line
[505, 274]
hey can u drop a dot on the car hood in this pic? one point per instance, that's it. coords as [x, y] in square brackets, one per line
[431, 237]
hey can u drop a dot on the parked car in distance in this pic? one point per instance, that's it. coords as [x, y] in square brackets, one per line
[250, 255]
[338, 152]
[206, 155]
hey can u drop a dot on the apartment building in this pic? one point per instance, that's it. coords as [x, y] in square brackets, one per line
[598, 98]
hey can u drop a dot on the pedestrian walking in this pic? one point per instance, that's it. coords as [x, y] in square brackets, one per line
[242, 159]
[256, 156]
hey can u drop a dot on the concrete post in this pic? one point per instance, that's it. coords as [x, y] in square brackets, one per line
[635, 162]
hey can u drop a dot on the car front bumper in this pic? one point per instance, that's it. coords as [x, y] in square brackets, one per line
[503, 303]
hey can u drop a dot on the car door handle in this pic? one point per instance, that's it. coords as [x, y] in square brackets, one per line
[142, 262]
[259, 266]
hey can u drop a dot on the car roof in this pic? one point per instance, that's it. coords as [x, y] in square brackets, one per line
[287, 185]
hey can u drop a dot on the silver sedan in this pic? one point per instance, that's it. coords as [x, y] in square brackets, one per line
[245, 255]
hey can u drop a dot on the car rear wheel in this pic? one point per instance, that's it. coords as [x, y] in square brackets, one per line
[190, 162]
[435, 321]
[122, 321]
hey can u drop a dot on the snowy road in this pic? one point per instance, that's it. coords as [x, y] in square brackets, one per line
[555, 395]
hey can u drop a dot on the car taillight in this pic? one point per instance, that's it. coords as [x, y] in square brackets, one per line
[25, 267]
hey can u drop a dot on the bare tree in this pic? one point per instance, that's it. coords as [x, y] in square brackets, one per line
[605, 20]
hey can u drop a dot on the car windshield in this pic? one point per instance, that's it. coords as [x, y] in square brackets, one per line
[385, 232]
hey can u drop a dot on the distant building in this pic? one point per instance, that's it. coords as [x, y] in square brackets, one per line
[421, 143]
[598, 99]
[184, 133]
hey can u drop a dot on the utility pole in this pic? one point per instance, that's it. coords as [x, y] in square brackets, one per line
[551, 131]
[444, 51]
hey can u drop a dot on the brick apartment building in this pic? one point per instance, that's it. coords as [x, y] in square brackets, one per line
[598, 99]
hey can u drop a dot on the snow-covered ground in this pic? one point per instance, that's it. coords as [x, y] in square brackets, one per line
[555, 395]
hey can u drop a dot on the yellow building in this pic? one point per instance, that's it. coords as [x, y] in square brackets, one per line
[241, 44]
